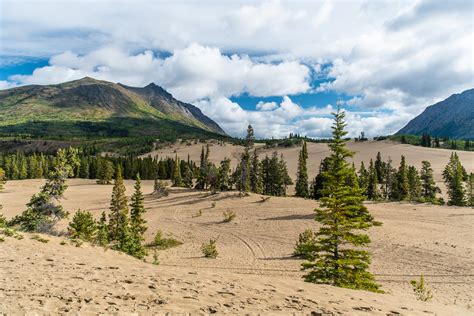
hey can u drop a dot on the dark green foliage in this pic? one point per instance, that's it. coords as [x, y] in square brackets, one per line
[118, 217]
[363, 178]
[102, 236]
[337, 257]
[470, 189]
[256, 184]
[428, 185]
[275, 176]
[42, 211]
[453, 175]
[203, 169]
[242, 173]
[83, 226]
[250, 138]
[188, 175]
[137, 211]
[162, 243]
[301, 188]
[372, 185]
[379, 167]
[223, 176]
[177, 179]
[319, 181]
[306, 244]
[414, 184]
[105, 171]
[402, 180]
[209, 250]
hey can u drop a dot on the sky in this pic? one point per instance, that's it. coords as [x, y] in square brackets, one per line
[281, 66]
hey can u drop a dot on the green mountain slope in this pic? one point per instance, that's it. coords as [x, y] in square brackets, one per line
[89, 107]
[452, 118]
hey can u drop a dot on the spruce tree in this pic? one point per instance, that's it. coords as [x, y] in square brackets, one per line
[428, 185]
[256, 185]
[43, 210]
[188, 176]
[372, 185]
[402, 180]
[102, 236]
[118, 217]
[379, 167]
[223, 176]
[414, 184]
[320, 180]
[470, 189]
[137, 222]
[363, 178]
[301, 187]
[203, 166]
[250, 138]
[177, 179]
[337, 257]
[243, 181]
[453, 175]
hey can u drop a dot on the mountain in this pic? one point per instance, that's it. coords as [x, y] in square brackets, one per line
[90, 107]
[452, 118]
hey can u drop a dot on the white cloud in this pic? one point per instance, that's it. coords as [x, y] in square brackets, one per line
[191, 73]
[392, 57]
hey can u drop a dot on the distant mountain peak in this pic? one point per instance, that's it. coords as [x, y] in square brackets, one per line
[452, 118]
[91, 100]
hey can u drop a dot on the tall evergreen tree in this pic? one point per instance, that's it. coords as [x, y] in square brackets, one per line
[43, 210]
[256, 185]
[243, 181]
[453, 175]
[118, 217]
[414, 184]
[372, 185]
[203, 166]
[363, 178]
[301, 188]
[188, 176]
[337, 257]
[470, 189]
[177, 179]
[402, 180]
[428, 185]
[320, 180]
[250, 138]
[223, 175]
[137, 222]
[379, 167]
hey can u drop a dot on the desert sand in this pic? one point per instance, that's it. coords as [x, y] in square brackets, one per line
[255, 271]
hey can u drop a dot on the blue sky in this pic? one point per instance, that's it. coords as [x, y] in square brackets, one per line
[281, 66]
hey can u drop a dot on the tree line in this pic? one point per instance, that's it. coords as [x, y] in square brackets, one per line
[381, 181]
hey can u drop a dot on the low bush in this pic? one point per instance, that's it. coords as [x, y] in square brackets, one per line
[229, 216]
[422, 293]
[83, 226]
[162, 243]
[305, 244]
[209, 249]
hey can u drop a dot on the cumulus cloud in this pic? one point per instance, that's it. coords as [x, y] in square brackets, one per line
[392, 58]
[191, 74]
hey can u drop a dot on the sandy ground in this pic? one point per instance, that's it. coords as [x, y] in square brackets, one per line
[255, 270]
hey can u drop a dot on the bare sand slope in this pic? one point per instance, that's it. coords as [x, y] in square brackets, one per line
[363, 152]
[255, 260]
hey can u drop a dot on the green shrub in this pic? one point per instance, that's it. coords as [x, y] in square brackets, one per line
[229, 215]
[155, 258]
[422, 293]
[198, 214]
[305, 244]
[39, 238]
[83, 226]
[162, 243]
[209, 250]
[3, 221]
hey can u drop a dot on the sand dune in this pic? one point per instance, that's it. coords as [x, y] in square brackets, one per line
[255, 270]
[363, 152]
